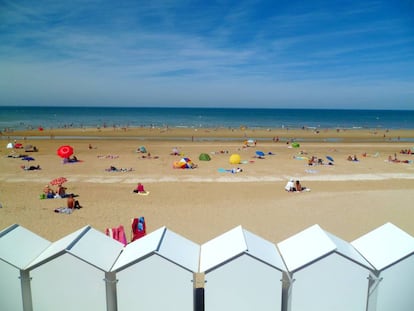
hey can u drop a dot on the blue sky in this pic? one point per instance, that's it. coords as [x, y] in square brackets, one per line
[271, 54]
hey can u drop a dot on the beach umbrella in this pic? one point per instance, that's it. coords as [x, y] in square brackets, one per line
[260, 153]
[330, 158]
[58, 181]
[295, 145]
[65, 151]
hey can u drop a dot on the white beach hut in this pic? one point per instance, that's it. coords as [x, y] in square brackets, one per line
[327, 273]
[390, 251]
[156, 272]
[18, 247]
[243, 272]
[73, 273]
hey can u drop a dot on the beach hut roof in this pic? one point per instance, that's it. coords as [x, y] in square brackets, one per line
[86, 243]
[165, 243]
[19, 254]
[314, 243]
[234, 243]
[385, 246]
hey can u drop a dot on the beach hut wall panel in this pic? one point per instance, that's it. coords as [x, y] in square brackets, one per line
[67, 283]
[156, 272]
[242, 272]
[327, 272]
[18, 247]
[390, 251]
[330, 283]
[244, 283]
[70, 274]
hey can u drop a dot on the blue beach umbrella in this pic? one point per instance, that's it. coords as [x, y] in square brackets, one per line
[330, 158]
[260, 153]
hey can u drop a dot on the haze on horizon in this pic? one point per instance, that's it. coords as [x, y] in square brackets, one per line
[267, 54]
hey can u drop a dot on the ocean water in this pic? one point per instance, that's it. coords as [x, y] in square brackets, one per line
[17, 118]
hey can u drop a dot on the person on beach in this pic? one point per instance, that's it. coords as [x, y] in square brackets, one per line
[72, 203]
[140, 188]
[49, 193]
[61, 191]
[290, 186]
[31, 167]
[299, 187]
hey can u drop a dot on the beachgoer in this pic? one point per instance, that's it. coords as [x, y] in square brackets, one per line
[236, 170]
[30, 168]
[140, 188]
[299, 187]
[290, 186]
[70, 202]
[50, 194]
[61, 191]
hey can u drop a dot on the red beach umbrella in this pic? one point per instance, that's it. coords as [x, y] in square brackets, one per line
[58, 181]
[65, 151]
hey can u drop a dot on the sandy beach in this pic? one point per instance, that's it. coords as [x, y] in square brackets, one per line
[348, 199]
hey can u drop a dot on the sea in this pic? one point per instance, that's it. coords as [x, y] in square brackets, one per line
[20, 118]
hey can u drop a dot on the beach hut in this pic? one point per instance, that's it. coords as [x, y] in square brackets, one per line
[242, 271]
[327, 273]
[156, 272]
[18, 247]
[390, 251]
[73, 273]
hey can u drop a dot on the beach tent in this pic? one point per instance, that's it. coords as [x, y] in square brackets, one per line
[327, 273]
[156, 272]
[18, 247]
[235, 159]
[242, 272]
[142, 149]
[9, 146]
[204, 157]
[183, 163]
[391, 251]
[73, 273]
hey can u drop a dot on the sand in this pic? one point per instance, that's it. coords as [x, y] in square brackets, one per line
[348, 199]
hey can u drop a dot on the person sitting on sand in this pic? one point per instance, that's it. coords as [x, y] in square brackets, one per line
[140, 188]
[50, 194]
[299, 187]
[61, 191]
[72, 203]
[290, 186]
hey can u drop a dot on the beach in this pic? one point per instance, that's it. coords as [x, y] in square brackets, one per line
[348, 198]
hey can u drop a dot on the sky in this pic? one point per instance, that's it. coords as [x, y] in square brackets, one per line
[267, 54]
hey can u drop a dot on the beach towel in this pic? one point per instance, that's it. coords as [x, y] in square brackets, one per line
[117, 233]
[63, 210]
[138, 228]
